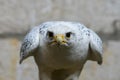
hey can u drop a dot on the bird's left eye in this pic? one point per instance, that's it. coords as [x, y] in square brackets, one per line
[50, 34]
[68, 34]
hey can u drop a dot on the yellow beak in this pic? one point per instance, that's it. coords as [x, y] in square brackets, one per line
[60, 39]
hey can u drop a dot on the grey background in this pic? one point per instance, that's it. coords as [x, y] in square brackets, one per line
[17, 17]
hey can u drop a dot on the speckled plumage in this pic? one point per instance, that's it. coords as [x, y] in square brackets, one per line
[61, 62]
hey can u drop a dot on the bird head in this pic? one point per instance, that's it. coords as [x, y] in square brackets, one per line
[60, 36]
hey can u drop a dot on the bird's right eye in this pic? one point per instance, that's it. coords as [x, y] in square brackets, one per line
[50, 34]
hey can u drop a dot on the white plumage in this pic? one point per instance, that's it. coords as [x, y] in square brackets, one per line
[61, 49]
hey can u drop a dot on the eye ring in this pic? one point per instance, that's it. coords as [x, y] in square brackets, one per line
[50, 34]
[68, 34]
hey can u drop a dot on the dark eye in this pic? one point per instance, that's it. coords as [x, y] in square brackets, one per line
[68, 34]
[50, 34]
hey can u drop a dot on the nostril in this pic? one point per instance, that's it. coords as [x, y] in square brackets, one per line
[64, 42]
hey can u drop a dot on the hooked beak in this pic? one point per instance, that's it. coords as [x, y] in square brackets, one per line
[59, 39]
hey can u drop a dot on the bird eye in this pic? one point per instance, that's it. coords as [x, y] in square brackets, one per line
[68, 34]
[50, 34]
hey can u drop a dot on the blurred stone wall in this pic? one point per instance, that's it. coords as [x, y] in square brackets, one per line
[18, 16]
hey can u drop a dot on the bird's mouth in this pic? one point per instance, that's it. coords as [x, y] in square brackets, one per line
[59, 40]
[58, 43]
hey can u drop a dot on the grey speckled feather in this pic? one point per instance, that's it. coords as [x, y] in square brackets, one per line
[61, 60]
[30, 43]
